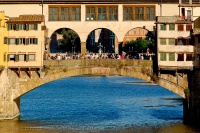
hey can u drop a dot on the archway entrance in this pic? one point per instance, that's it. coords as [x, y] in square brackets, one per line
[102, 41]
[65, 40]
[139, 43]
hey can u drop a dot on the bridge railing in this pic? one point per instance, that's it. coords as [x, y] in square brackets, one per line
[97, 63]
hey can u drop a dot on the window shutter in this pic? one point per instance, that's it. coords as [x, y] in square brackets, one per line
[27, 41]
[27, 57]
[35, 26]
[5, 40]
[8, 57]
[17, 26]
[36, 41]
[16, 57]
[188, 27]
[8, 41]
[17, 41]
[27, 26]
[9, 26]
[4, 57]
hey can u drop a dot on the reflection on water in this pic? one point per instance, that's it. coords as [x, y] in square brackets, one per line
[99, 104]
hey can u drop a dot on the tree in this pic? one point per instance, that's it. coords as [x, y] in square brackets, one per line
[139, 45]
[70, 39]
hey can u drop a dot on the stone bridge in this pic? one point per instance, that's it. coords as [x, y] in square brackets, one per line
[16, 83]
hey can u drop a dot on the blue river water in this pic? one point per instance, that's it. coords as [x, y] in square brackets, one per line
[99, 103]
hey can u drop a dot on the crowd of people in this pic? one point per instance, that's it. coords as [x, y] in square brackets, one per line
[67, 56]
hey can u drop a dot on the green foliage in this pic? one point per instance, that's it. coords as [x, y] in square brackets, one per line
[187, 91]
[70, 39]
[140, 45]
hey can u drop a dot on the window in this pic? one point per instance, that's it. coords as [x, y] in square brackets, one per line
[180, 27]
[150, 13]
[163, 27]
[188, 27]
[22, 41]
[11, 57]
[33, 26]
[64, 14]
[21, 57]
[53, 13]
[183, 41]
[30, 57]
[139, 13]
[180, 57]
[128, 13]
[189, 57]
[171, 26]
[32, 41]
[162, 56]
[163, 41]
[76, 13]
[11, 41]
[113, 13]
[101, 13]
[171, 56]
[171, 41]
[90, 13]
[5, 40]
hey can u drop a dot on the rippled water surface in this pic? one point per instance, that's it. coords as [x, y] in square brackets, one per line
[101, 103]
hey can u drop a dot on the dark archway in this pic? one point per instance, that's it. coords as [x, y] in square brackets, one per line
[103, 38]
[65, 40]
[139, 41]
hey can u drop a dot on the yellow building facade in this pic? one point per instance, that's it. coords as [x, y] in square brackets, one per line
[3, 33]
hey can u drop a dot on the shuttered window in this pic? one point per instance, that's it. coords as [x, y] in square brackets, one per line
[163, 27]
[162, 56]
[180, 57]
[188, 27]
[171, 41]
[171, 56]
[163, 41]
[180, 27]
[171, 26]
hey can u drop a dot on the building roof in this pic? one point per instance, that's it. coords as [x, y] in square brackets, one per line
[26, 18]
[88, 1]
[171, 19]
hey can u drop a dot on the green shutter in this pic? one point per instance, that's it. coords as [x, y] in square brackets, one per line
[162, 56]
[35, 26]
[8, 41]
[9, 26]
[36, 41]
[17, 41]
[171, 56]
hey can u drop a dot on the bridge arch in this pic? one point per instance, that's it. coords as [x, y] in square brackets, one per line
[56, 69]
